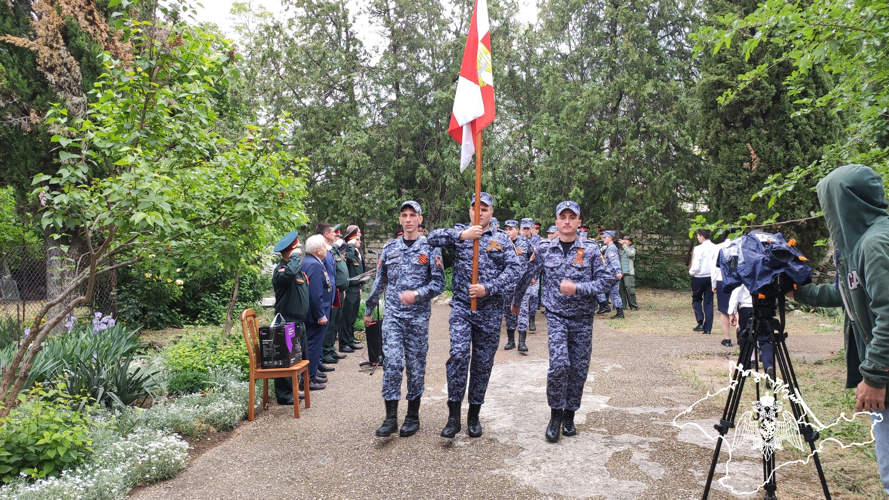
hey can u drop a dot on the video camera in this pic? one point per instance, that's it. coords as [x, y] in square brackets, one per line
[766, 263]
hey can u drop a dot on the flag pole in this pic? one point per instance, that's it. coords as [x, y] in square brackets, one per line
[478, 209]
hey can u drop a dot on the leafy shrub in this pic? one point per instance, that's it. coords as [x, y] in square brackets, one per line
[44, 435]
[198, 351]
[188, 381]
[449, 275]
[147, 298]
[10, 331]
[119, 463]
[657, 271]
[205, 298]
[94, 359]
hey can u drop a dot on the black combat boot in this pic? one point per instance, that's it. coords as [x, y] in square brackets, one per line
[619, 315]
[531, 326]
[568, 428]
[604, 307]
[473, 426]
[510, 340]
[555, 425]
[522, 337]
[411, 423]
[391, 423]
[453, 426]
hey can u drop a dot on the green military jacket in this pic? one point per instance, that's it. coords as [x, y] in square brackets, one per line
[627, 255]
[354, 264]
[342, 271]
[291, 289]
[854, 205]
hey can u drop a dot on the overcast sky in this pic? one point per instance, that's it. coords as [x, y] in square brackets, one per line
[217, 11]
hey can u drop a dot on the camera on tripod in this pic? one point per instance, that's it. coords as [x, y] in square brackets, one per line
[766, 263]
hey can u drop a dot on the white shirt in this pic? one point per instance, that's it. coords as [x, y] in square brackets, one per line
[716, 275]
[702, 260]
[740, 298]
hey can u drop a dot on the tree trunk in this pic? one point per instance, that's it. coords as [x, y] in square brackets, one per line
[231, 303]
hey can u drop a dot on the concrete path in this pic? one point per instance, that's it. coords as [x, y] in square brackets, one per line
[626, 447]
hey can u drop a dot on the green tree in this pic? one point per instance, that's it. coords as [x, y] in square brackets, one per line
[175, 191]
[757, 134]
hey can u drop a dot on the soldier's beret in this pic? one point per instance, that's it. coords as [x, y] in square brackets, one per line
[486, 198]
[288, 241]
[568, 205]
[411, 204]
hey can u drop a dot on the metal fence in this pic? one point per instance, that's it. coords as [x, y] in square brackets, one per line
[23, 287]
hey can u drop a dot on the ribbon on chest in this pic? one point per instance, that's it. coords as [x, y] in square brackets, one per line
[579, 259]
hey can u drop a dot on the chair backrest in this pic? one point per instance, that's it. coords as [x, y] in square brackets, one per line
[251, 336]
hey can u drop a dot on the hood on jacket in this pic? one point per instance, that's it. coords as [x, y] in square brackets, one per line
[853, 200]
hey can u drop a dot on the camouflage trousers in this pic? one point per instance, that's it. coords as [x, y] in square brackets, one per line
[525, 313]
[613, 294]
[405, 344]
[510, 318]
[570, 348]
[534, 303]
[475, 336]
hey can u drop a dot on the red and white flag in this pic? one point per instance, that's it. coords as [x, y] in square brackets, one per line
[474, 102]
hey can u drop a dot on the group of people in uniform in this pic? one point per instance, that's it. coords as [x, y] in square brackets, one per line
[568, 270]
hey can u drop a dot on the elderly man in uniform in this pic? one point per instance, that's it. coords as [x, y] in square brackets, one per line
[291, 302]
[412, 273]
[321, 291]
[476, 332]
[336, 267]
[575, 273]
[522, 249]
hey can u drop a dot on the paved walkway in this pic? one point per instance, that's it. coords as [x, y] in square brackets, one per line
[626, 447]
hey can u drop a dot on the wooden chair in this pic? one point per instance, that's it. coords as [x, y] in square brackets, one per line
[251, 337]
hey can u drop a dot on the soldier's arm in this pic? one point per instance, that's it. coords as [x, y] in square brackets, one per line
[379, 286]
[291, 271]
[532, 271]
[436, 284]
[445, 237]
[601, 279]
[510, 274]
[826, 295]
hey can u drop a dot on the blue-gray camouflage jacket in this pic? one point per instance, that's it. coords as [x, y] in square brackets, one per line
[499, 266]
[399, 268]
[582, 265]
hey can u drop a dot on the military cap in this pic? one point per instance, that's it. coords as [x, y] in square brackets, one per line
[351, 232]
[608, 233]
[411, 204]
[399, 233]
[421, 226]
[568, 205]
[288, 241]
[495, 222]
[537, 225]
[585, 227]
[511, 223]
[527, 223]
[551, 230]
[486, 198]
[336, 229]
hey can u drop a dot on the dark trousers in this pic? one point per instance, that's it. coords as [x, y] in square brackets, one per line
[702, 301]
[765, 345]
[328, 349]
[284, 386]
[314, 340]
[351, 304]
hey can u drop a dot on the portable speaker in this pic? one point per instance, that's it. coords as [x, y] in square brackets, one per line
[374, 333]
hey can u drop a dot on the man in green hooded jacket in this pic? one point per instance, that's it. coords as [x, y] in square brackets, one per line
[854, 204]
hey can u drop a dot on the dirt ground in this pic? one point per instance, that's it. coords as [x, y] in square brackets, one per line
[645, 427]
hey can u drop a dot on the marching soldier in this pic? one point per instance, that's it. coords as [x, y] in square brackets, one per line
[612, 259]
[522, 246]
[525, 313]
[575, 273]
[411, 272]
[476, 332]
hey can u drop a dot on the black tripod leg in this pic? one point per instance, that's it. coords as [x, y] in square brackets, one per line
[731, 408]
[782, 361]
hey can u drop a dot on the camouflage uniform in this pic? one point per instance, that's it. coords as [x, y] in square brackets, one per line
[406, 328]
[498, 269]
[612, 261]
[534, 300]
[522, 249]
[569, 319]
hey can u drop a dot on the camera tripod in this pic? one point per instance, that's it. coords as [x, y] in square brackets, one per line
[763, 322]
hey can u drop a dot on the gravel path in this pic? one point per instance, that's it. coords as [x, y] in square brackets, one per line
[626, 447]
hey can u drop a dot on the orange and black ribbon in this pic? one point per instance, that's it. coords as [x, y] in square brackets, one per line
[579, 258]
[423, 259]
